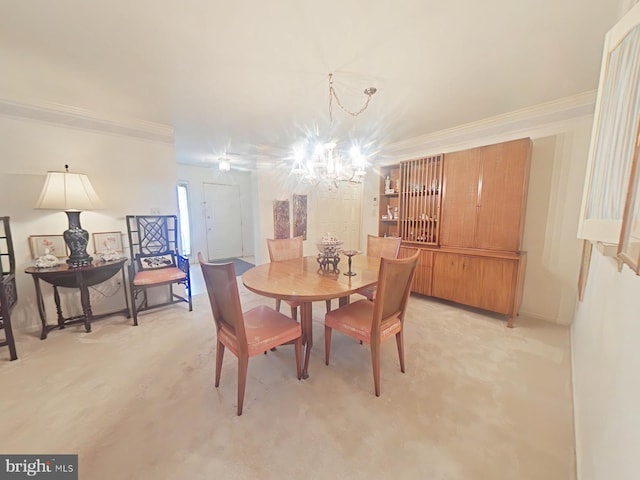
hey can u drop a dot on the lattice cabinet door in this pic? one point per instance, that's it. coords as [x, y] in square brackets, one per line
[421, 182]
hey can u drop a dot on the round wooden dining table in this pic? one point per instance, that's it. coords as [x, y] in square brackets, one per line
[302, 280]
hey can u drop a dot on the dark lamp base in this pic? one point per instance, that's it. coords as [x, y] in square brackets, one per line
[77, 240]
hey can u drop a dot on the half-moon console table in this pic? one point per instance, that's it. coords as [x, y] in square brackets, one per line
[81, 278]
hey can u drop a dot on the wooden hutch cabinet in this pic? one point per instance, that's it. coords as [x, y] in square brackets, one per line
[465, 212]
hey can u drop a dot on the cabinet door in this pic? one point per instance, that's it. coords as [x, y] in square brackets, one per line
[504, 172]
[495, 279]
[482, 282]
[447, 277]
[422, 280]
[460, 198]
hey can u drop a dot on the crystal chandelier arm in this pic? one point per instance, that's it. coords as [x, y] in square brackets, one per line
[332, 94]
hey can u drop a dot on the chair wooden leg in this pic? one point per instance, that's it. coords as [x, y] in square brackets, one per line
[327, 344]
[298, 347]
[278, 302]
[134, 309]
[328, 302]
[8, 332]
[294, 313]
[375, 363]
[243, 363]
[400, 343]
[219, 357]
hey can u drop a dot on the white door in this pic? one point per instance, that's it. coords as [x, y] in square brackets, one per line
[223, 220]
[340, 214]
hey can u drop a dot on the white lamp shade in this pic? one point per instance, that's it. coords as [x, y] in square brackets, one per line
[68, 191]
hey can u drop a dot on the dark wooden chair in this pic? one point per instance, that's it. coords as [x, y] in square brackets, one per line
[374, 322]
[246, 334]
[155, 261]
[8, 291]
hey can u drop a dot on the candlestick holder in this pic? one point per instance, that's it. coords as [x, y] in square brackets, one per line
[349, 254]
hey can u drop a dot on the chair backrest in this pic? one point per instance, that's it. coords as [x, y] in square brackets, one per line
[394, 287]
[7, 258]
[153, 240]
[387, 247]
[222, 287]
[284, 248]
[8, 291]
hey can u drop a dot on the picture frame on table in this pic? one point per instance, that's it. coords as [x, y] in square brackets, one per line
[107, 241]
[55, 245]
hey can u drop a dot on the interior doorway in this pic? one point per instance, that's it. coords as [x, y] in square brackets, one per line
[223, 221]
[340, 214]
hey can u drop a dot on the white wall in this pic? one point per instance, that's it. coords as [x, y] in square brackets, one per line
[131, 176]
[196, 177]
[605, 338]
[278, 184]
[553, 204]
[606, 361]
[370, 212]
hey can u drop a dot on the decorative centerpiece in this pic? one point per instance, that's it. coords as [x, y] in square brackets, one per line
[47, 260]
[329, 256]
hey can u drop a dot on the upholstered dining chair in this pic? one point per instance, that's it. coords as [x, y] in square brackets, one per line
[286, 249]
[8, 292]
[387, 247]
[155, 261]
[246, 334]
[374, 322]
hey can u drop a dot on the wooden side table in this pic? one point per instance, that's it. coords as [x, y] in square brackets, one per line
[81, 278]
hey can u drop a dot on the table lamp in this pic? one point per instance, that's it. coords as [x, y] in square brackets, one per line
[71, 192]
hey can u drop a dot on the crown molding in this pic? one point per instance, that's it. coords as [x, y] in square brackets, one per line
[537, 121]
[73, 117]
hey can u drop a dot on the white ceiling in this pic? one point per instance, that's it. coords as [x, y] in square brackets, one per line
[250, 76]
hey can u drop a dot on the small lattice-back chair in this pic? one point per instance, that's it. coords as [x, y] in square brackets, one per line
[155, 261]
[8, 291]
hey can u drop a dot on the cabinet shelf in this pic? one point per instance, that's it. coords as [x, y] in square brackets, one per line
[420, 220]
[420, 194]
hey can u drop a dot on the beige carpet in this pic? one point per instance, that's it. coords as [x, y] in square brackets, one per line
[478, 401]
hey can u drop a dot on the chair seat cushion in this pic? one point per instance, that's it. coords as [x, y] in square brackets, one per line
[158, 276]
[356, 319]
[265, 328]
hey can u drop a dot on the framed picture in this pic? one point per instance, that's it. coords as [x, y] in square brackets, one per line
[107, 241]
[629, 245]
[300, 216]
[281, 225]
[48, 244]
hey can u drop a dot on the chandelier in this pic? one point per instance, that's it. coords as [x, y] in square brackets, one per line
[317, 161]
